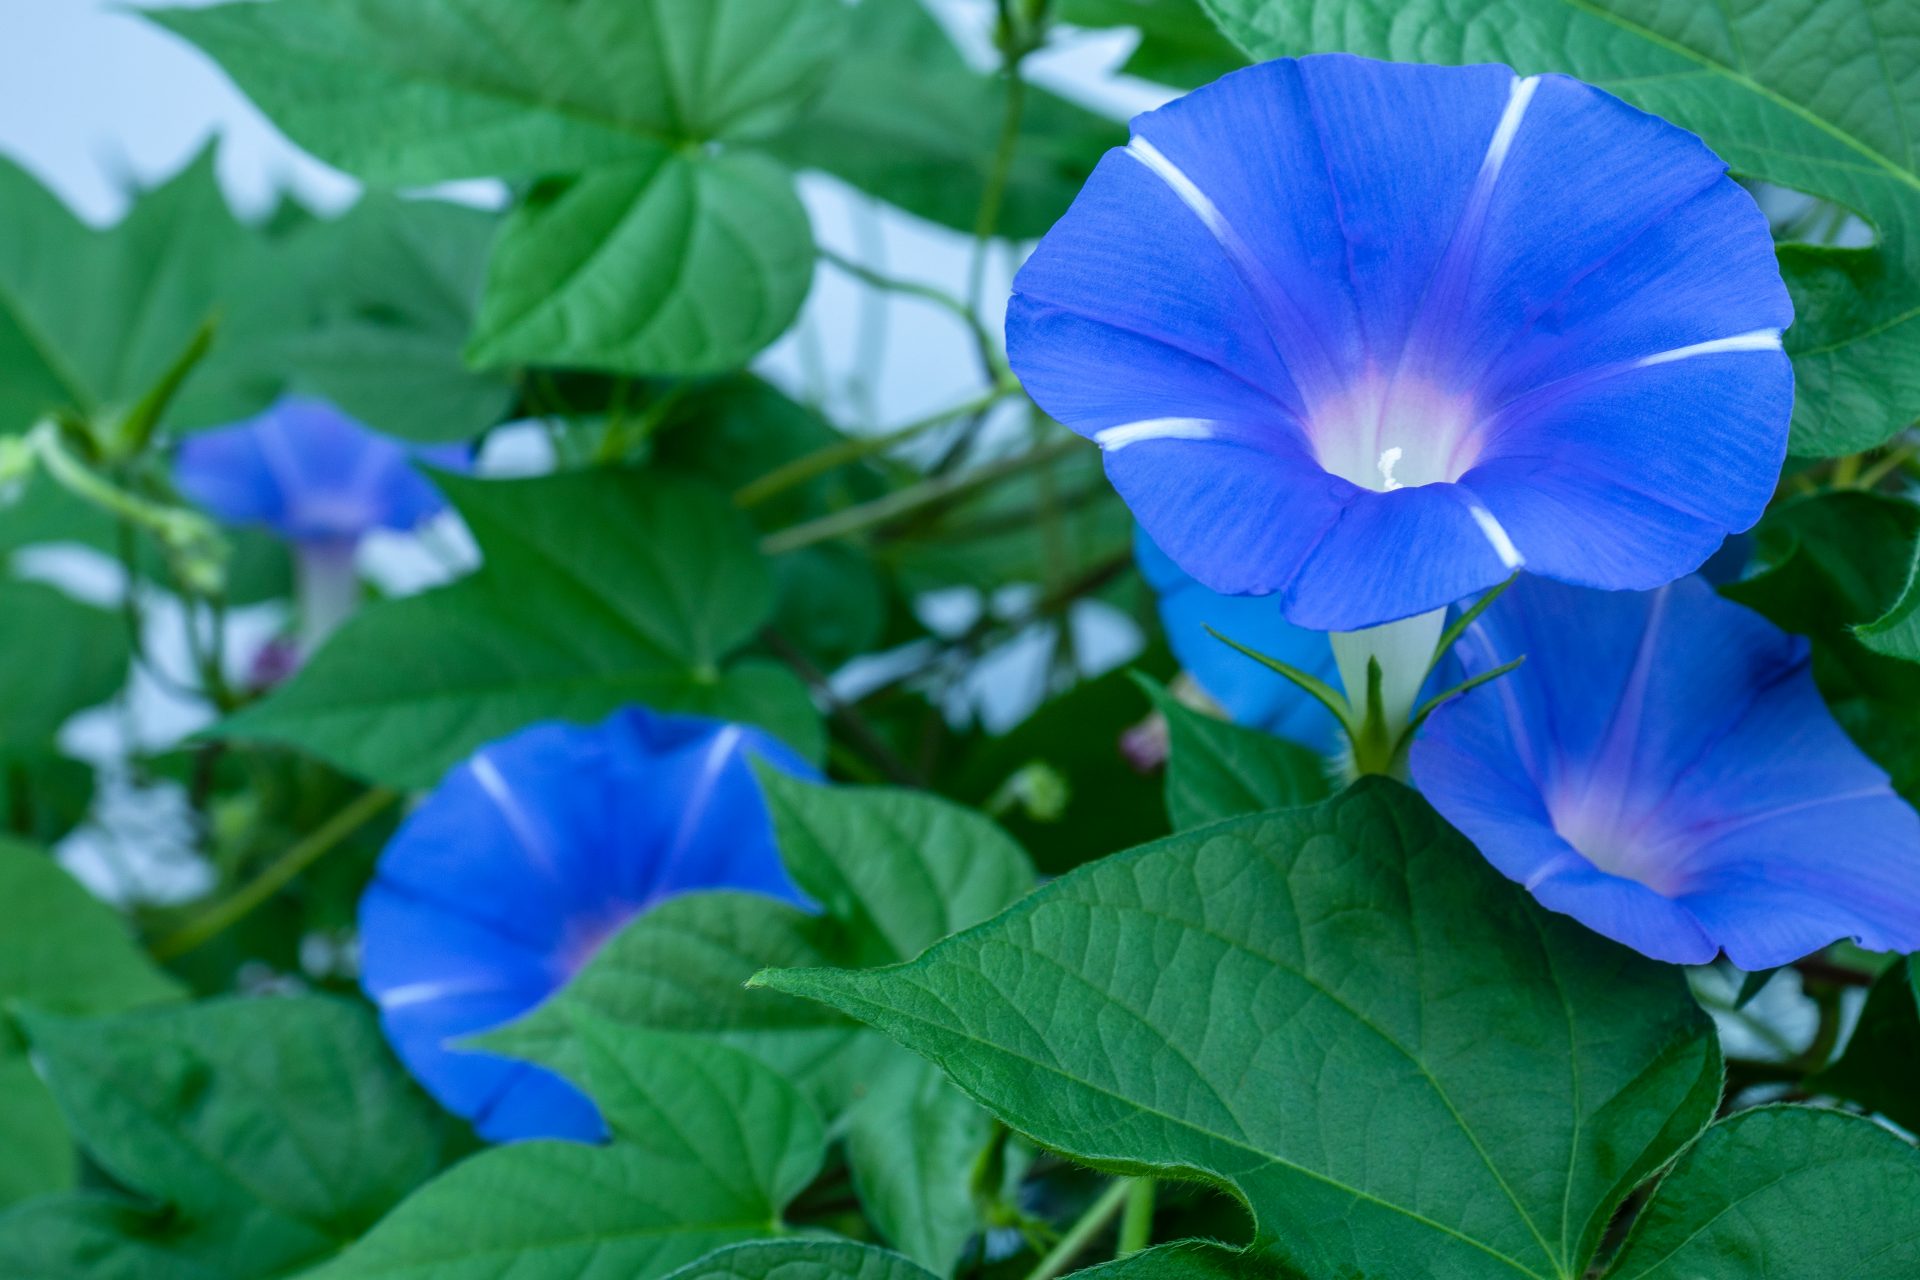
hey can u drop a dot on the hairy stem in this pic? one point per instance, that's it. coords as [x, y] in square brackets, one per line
[991, 360]
[798, 471]
[1136, 1228]
[236, 906]
[858, 519]
[1082, 1233]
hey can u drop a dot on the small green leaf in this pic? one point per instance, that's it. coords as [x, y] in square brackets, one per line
[801, 1260]
[1217, 769]
[1782, 1193]
[96, 1236]
[671, 263]
[62, 657]
[1403, 1065]
[708, 1147]
[1078, 737]
[410, 92]
[63, 951]
[738, 429]
[597, 589]
[1818, 95]
[43, 794]
[899, 869]
[892, 870]
[1179, 45]
[1896, 633]
[1313, 686]
[659, 242]
[906, 119]
[394, 285]
[911, 1144]
[681, 968]
[1187, 1260]
[270, 1131]
[39, 1153]
[1878, 1068]
[176, 261]
[1752, 985]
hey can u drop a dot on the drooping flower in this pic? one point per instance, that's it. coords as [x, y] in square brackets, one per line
[1248, 692]
[1662, 769]
[524, 860]
[1369, 337]
[311, 474]
[320, 480]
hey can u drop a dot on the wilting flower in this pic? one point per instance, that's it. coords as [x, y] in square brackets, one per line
[320, 480]
[1370, 337]
[523, 861]
[1662, 769]
[1248, 692]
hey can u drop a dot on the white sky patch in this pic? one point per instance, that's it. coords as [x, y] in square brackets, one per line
[1758, 340]
[1496, 536]
[1114, 439]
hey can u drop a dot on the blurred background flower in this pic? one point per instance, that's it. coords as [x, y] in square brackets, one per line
[501, 885]
[321, 481]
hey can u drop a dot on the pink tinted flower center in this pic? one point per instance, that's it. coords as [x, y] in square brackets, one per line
[586, 934]
[1622, 842]
[1389, 432]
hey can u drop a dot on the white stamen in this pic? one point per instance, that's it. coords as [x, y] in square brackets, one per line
[1758, 340]
[1496, 536]
[1114, 439]
[1517, 99]
[1389, 458]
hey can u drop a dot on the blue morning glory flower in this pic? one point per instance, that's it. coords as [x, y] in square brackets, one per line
[527, 857]
[1249, 693]
[1662, 769]
[321, 481]
[311, 474]
[1369, 337]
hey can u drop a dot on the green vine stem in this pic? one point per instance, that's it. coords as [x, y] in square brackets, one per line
[236, 906]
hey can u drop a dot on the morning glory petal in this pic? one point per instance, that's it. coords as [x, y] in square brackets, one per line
[311, 474]
[1663, 769]
[504, 1099]
[527, 857]
[1369, 337]
[1249, 693]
